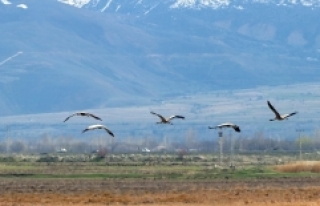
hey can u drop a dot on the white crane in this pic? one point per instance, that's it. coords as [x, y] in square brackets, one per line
[84, 114]
[167, 121]
[98, 126]
[278, 116]
[227, 124]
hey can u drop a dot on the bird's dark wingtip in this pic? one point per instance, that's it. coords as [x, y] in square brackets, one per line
[237, 129]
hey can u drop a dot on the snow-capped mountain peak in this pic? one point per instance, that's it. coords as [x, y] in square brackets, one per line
[77, 3]
[199, 3]
[191, 4]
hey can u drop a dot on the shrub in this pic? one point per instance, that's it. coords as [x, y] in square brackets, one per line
[48, 159]
[7, 159]
[181, 153]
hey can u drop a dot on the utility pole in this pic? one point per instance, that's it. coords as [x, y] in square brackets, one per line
[220, 133]
[165, 145]
[146, 142]
[7, 137]
[299, 131]
[112, 144]
[231, 149]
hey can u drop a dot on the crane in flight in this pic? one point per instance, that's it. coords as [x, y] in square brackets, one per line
[277, 115]
[168, 120]
[226, 125]
[83, 114]
[98, 126]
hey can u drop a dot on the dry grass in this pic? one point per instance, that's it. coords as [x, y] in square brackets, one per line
[301, 166]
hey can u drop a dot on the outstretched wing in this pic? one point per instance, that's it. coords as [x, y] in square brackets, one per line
[236, 128]
[91, 115]
[109, 131]
[274, 110]
[98, 126]
[161, 117]
[85, 130]
[289, 115]
[176, 116]
[69, 117]
[83, 114]
[213, 127]
[91, 127]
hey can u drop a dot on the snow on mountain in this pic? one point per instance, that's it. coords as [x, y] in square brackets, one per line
[6, 2]
[77, 3]
[194, 4]
[22, 6]
[222, 3]
[200, 3]
[9, 59]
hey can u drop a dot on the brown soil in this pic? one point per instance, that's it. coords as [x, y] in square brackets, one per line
[284, 192]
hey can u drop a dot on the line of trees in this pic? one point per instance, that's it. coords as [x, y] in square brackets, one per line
[256, 142]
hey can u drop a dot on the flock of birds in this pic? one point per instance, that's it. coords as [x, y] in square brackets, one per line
[164, 120]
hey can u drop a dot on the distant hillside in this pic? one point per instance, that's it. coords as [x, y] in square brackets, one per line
[83, 58]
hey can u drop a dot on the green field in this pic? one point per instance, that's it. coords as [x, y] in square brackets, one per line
[190, 167]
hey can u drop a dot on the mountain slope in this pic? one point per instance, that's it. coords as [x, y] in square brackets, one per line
[131, 54]
[63, 66]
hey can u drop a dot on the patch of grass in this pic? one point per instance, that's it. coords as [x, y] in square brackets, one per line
[81, 176]
[178, 172]
[4, 167]
[246, 173]
[7, 159]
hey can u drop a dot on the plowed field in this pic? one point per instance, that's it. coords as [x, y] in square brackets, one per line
[279, 191]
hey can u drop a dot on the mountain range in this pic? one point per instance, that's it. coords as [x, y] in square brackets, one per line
[147, 6]
[63, 55]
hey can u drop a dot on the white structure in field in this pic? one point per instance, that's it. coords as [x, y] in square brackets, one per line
[146, 150]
